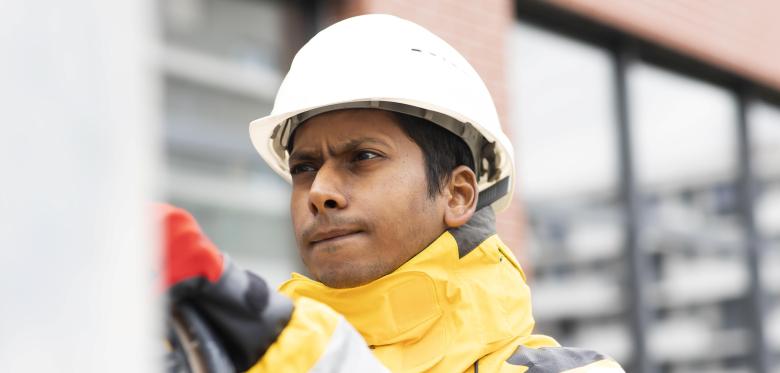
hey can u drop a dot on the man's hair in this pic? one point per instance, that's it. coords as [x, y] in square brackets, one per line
[442, 150]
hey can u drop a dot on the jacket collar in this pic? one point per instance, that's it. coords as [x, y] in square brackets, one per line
[463, 292]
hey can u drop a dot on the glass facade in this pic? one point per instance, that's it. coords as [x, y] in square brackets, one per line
[685, 179]
[684, 136]
[223, 62]
[764, 120]
[565, 139]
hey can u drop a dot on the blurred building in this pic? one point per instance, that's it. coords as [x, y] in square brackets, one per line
[649, 142]
[648, 148]
[222, 62]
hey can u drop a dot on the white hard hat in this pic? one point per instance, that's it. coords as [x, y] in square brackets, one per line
[385, 62]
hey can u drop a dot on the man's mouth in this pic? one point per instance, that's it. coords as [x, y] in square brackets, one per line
[331, 236]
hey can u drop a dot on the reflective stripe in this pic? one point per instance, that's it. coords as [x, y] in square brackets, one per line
[347, 352]
[562, 359]
[603, 366]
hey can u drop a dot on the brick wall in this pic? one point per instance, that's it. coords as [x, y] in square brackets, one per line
[478, 30]
[739, 36]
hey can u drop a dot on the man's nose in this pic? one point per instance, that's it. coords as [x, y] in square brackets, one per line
[325, 193]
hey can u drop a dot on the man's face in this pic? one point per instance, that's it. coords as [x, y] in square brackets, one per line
[360, 205]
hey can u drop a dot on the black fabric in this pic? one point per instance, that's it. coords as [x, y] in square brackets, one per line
[240, 308]
[553, 359]
[493, 193]
[211, 351]
[481, 226]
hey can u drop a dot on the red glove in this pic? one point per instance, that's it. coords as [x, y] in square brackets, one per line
[188, 253]
[238, 305]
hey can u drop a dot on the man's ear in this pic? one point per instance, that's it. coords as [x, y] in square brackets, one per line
[461, 197]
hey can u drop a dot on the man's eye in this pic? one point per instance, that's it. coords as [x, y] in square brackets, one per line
[365, 155]
[301, 167]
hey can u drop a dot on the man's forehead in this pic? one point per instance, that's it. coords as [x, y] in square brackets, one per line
[344, 128]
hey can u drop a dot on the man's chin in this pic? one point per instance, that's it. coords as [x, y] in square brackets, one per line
[340, 274]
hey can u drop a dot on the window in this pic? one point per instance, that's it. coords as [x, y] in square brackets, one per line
[684, 136]
[764, 120]
[631, 149]
[247, 32]
[222, 62]
[564, 132]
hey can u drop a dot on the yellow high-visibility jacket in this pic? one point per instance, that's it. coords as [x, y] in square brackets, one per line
[460, 305]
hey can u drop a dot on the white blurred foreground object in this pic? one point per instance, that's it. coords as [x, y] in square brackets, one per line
[78, 155]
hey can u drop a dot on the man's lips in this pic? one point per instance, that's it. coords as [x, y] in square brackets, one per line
[331, 235]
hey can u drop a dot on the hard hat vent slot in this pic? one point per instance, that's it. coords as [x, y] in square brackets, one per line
[442, 58]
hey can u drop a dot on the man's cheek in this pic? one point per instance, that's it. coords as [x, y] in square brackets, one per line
[298, 209]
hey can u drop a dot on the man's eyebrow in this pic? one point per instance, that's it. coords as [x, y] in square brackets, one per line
[345, 147]
[352, 144]
[304, 155]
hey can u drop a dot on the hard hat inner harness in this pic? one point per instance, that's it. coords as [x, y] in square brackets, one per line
[483, 151]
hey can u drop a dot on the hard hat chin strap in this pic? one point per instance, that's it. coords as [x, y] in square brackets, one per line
[493, 193]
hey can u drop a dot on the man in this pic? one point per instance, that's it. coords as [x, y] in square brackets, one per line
[397, 162]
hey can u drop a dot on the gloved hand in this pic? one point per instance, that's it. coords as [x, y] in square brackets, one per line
[189, 256]
[237, 304]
